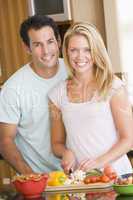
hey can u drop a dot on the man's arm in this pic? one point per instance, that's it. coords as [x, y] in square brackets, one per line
[9, 150]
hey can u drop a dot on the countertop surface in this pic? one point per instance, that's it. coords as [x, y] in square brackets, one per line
[7, 193]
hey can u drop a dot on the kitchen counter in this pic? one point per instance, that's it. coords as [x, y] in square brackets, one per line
[7, 193]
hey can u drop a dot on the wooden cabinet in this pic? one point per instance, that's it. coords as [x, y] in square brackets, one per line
[6, 173]
[13, 12]
[12, 55]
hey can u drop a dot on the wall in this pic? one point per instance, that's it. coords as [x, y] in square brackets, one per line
[12, 55]
[112, 34]
[90, 11]
[119, 28]
[12, 13]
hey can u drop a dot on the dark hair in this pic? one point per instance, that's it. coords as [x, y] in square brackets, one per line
[37, 22]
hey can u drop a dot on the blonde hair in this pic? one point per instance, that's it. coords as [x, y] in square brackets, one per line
[103, 73]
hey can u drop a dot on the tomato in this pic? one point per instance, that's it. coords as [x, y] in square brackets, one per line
[108, 170]
[87, 180]
[104, 179]
[94, 179]
[112, 176]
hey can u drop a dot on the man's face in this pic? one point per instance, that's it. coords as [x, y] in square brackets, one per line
[44, 47]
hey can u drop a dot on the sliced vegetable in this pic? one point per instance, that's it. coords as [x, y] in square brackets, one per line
[94, 172]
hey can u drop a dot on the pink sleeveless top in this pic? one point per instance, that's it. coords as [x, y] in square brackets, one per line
[89, 126]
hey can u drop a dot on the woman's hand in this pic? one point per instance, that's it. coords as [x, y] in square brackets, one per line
[89, 164]
[68, 162]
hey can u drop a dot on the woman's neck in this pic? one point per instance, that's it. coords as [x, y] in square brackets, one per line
[83, 80]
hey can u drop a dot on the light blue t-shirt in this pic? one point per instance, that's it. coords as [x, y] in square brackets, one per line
[24, 101]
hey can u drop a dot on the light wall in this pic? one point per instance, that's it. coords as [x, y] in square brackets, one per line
[112, 33]
[90, 11]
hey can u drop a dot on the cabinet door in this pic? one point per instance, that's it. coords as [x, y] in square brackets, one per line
[12, 55]
[6, 173]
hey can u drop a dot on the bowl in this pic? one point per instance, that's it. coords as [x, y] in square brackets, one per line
[124, 189]
[120, 197]
[30, 186]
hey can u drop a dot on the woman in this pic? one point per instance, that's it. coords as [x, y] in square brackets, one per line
[91, 119]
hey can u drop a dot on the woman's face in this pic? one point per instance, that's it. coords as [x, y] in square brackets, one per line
[79, 54]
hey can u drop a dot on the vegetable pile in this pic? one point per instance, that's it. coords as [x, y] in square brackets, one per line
[108, 175]
[59, 178]
[28, 177]
[125, 181]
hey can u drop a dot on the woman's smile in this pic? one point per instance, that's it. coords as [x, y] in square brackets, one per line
[79, 54]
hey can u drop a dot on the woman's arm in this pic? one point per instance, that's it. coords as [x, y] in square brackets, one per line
[123, 119]
[58, 139]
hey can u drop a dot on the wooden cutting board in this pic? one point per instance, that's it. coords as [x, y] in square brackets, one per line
[93, 186]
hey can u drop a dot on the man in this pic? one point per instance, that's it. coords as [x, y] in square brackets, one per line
[24, 113]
